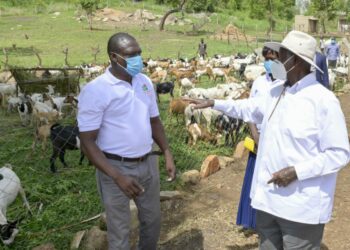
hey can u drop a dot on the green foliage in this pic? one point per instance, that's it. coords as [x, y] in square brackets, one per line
[89, 5]
[324, 10]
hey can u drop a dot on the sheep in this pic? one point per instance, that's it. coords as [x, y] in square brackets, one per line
[196, 132]
[10, 186]
[62, 138]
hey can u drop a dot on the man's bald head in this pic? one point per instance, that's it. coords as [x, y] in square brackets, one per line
[118, 42]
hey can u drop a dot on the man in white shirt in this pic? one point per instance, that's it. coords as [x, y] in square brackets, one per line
[303, 144]
[118, 120]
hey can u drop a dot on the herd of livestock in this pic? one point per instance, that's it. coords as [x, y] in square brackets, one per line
[230, 77]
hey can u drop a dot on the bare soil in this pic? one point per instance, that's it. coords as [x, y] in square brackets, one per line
[205, 218]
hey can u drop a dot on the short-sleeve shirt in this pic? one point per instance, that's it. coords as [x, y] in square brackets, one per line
[121, 112]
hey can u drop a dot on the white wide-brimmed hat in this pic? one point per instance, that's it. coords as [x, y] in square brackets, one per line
[299, 43]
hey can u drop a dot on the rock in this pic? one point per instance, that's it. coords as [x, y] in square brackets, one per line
[57, 13]
[115, 19]
[191, 177]
[209, 166]
[95, 239]
[181, 23]
[169, 195]
[240, 151]
[134, 223]
[77, 240]
[225, 161]
[47, 246]
[148, 15]
[105, 19]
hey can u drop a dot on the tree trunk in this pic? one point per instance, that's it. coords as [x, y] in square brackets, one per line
[167, 14]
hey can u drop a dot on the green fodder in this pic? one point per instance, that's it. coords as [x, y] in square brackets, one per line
[32, 81]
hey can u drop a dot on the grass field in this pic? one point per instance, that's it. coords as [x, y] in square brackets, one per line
[71, 196]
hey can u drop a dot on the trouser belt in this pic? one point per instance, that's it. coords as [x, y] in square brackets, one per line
[126, 159]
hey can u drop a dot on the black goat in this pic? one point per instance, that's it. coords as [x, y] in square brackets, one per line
[230, 127]
[164, 88]
[241, 70]
[62, 138]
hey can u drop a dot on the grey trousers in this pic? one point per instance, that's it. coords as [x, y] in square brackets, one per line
[277, 233]
[117, 208]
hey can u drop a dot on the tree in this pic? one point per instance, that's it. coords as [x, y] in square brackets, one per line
[269, 9]
[89, 6]
[179, 8]
[324, 10]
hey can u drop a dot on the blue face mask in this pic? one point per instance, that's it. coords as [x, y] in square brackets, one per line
[134, 65]
[267, 66]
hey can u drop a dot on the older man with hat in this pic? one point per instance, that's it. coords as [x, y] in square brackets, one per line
[303, 144]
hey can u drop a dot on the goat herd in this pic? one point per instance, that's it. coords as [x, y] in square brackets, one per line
[180, 77]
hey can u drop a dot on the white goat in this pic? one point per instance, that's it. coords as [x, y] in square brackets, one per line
[10, 186]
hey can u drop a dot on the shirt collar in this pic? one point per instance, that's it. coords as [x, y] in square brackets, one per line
[303, 83]
[110, 77]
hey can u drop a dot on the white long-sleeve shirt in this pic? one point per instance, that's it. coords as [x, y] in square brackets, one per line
[307, 130]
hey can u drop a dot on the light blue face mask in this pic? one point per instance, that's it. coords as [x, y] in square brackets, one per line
[267, 66]
[134, 65]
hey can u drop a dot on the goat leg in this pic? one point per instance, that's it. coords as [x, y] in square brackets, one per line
[61, 156]
[26, 203]
[52, 160]
[81, 158]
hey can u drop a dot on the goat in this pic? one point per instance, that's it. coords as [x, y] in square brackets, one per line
[230, 127]
[25, 110]
[164, 88]
[62, 138]
[197, 132]
[42, 133]
[177, 106]
[186, 84]
[10, 186]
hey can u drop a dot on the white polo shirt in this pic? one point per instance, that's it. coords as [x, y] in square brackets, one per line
[121, 112]
[307, 131]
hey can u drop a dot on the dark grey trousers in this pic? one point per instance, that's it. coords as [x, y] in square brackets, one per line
[117, 208]
[276, 233]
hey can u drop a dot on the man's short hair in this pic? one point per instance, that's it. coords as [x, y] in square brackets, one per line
[115, 41]
[266, 50]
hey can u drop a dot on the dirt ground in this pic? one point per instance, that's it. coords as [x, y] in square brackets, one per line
[205, 218]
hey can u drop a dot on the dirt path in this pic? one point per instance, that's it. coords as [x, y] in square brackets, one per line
[205, 219]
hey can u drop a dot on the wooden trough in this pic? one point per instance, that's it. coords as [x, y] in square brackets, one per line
[35, 80]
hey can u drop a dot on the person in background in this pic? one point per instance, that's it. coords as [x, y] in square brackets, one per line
[321, 62]
[246, 215]
[118, 120]
[332, 53]
[303, 145]
[202, 49]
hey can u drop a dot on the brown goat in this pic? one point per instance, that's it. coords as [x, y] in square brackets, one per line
[177, 106]
[196, 132]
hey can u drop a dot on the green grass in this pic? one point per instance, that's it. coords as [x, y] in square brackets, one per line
[71, 196]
